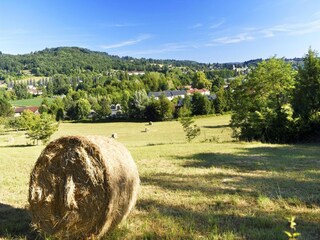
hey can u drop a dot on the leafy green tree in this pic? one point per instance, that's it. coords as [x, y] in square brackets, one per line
[261, 103]
[186, 109]
[42, 128]
[21, 91]
[200, 104]
[82, 109]
[166, 108]
[220, 103]
[307, 92]
[6, 109]
[50, 89]
[45, 106]
[59, 114]
[104, 109]
[306, 100]
[152, 80]
[138, 103]
[200, 81]
[159, 110]
[152, 110]
[191, 130]
[25, 121]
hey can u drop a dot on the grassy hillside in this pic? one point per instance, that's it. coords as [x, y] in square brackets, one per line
[29, 102]
[213, 188]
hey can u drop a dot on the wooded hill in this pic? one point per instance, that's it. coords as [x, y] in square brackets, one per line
[73, 60]
[69, 60]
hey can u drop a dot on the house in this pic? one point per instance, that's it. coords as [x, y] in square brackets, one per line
[34, 91]
[115, 109]
[136, 73]
[169, 94]
[202, 91]
[18, 110]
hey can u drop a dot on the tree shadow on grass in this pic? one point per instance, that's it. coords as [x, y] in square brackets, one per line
[194, 182]
[18, 146]
[295, 192]
[224, 212]
[217, 126]
[213, 222]
[291, 158]
[15, 223]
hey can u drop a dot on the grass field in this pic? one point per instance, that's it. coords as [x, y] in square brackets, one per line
[212, 188]
[29, 102]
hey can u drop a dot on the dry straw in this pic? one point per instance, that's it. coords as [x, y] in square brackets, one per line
[82, 187]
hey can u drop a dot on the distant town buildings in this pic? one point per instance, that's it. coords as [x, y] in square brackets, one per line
[18, 110]
[171, 94]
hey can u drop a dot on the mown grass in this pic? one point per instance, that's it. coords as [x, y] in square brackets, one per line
[29, 102]
[212, 188]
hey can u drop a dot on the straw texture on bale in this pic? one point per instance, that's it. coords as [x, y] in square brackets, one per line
[82, 187]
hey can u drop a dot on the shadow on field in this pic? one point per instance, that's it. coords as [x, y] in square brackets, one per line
[274, 158]
[289, 172]
[295, 192]
[220, 216]
[217, 126]
[196, 183]
[211, 222]
[18, 146]
[15, 223]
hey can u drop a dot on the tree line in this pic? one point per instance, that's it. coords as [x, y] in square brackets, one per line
[277, 104]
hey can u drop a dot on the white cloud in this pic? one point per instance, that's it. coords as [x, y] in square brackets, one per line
[127, 42]
[241, 37]
[164, 48]
[197, 25]
[294, 28]
[249, 34]
[217, 24]
[121, 25]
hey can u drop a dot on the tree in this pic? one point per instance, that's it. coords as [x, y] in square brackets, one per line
[220, 103]
[191, 130]
[151, 80]
[21, 91]
[104, 109]
[44, 107]
[6, 109]
[57, 108]
[261, 103]
[82, 109]
[152, 110]
[138, 103]
[200, 104]
[306, 100]
[42, 129]
[200, 81]
[166, 108]
[59, 114]
[49, 89]
[159, 110]
[25, 121]
[185, 110]
[307, 92]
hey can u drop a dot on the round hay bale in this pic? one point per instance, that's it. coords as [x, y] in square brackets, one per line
[82, 187]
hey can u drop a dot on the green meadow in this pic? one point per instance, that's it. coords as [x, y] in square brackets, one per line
[29, 102]
[211, 188]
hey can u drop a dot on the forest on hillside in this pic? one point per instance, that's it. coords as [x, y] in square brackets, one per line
[273, 100]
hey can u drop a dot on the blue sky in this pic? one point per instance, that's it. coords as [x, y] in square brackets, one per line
[201, 30]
